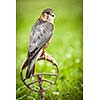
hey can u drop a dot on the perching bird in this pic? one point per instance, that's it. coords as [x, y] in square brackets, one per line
[39, 38]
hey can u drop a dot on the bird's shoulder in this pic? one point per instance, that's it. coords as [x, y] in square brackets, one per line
[42, 25]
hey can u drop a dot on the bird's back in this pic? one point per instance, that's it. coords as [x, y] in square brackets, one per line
[40, 35]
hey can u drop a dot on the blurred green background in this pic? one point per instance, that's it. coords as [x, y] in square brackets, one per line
[66, 46]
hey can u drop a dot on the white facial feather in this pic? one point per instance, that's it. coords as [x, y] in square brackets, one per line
[51, 18]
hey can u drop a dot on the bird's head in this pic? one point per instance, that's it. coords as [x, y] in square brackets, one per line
[48, 15]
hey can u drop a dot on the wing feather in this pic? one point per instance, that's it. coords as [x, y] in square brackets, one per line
[40, 35]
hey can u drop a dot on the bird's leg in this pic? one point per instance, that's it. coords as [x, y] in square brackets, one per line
[46, 56]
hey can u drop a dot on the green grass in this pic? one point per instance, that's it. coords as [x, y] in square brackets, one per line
[66, 47]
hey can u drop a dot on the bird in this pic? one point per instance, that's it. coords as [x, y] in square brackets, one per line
[40, 37]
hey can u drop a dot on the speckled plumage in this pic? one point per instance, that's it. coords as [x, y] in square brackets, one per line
[39, 37]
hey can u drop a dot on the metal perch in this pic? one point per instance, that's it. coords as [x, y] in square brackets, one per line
[40, 89]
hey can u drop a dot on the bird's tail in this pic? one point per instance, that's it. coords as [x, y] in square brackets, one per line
[31, 63]
[30, 69]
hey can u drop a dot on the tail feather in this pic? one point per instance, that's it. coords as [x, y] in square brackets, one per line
[33, 69]
[31, 62]
[30, 70]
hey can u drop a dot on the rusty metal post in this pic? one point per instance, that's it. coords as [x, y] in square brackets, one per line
[40, 79]
[41, 88]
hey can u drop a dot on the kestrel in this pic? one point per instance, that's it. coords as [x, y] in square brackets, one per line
[40, 36]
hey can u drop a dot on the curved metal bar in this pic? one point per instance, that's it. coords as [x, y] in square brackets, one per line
[48, 81]
[23, 80]
[40, 79]
[28, 85]
[32, 83]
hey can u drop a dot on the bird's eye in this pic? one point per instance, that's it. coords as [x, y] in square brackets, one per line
[52, 15]
[48, 12]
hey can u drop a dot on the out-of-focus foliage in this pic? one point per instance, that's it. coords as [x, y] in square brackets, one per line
[66, 46]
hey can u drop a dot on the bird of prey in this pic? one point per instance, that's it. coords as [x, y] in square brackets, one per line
[40, 36]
